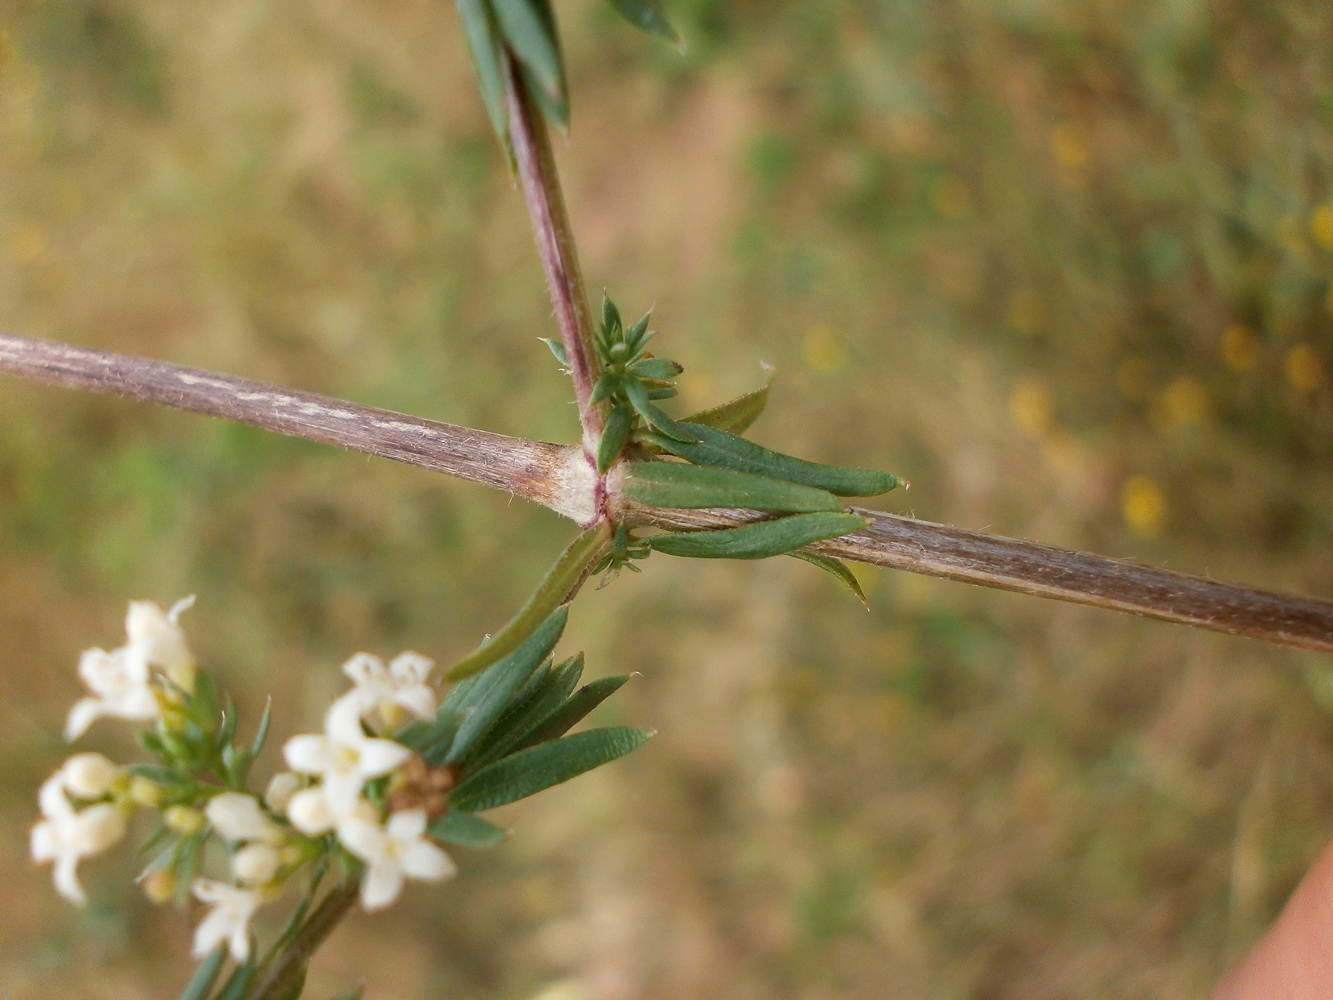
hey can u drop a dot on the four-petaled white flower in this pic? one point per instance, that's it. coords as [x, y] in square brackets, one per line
[119, 685]
[229, 919]
[66, 835]
[392, 852]
[345, 758]
[390, 689]
[156, 637]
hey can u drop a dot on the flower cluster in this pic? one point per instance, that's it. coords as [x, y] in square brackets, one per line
[367, 801]
[335, 805]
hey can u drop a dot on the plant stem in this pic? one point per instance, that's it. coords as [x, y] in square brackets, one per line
[279, 979]
[555, 476]
[540, 184]
[559, 477]
[897, 542]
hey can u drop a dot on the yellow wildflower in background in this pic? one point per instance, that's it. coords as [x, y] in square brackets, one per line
[1143, 506]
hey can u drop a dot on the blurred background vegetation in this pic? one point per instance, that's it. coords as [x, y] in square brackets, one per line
[1065, 266]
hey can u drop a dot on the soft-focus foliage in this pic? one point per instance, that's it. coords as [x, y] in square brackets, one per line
[1064, 266]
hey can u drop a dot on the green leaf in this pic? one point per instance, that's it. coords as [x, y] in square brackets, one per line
[662, 369]
[566, 716]
[531, 37]
[467, 830]
[557, 349]
[439, 739]
[648, 16]
[614, 436]
[759, 540]
[227, 731]
[736, 415]
[838, 569]
[672, 484]
[204, 976]
[604, 388]
[238, 982]
[355, 994]
[483, 42]
[611, 322]
[261, 734]
[638, 335]
[526, 712]
[554, 109]
[538, 768]
[499, 683]
[725, 450]
[552, 592]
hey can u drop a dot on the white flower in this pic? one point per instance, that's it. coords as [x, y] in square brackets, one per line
[402, 684]
[310, 812]
[344, 757]
[238, 817]
[119, 685]
[156, 637]
[255, 863]
[67, 835]
[392, 852]
[90, 775]
[281, 787]
[229, 920]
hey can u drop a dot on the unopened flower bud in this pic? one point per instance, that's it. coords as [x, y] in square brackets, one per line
[281, 788]
[237, 817]
[310, 812]
[90, 775]
[145, 792]
[255, 863]
[184, 820]
[159, 885]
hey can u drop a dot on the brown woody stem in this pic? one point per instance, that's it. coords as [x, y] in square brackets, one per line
[555, 476]
[540, 183]
[898, 542]
[559, 477]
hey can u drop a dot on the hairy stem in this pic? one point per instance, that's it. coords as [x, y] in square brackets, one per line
[559, 477]
[898, 542]
[282, 977]
[555, 243]
[555, 476]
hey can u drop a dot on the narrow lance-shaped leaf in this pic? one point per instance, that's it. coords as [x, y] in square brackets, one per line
[532, 38]
[484, 46]
[735, 415]
[526, 712]
[672, 484]
[759, 540]
[467, 830]
[201, 983]
[439, 739]
[238, 982]
[549, 595]
[566, 716]
[838, 569]
[555, 109]
[637, 394]
[538, 768]
[498, 685]
[261, 734]
[648, 16]
[614, 436]
[729, 451]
